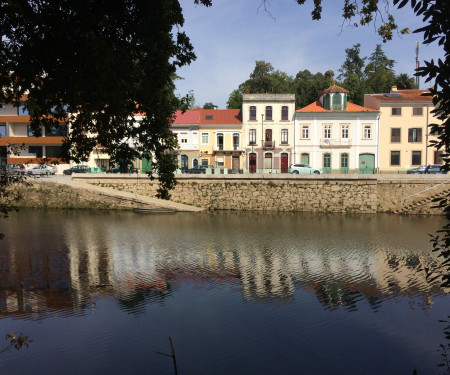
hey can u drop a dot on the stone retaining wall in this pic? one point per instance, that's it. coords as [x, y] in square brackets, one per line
[347, 195]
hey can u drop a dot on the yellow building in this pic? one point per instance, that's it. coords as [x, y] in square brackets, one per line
[404, 135]
[221, 139]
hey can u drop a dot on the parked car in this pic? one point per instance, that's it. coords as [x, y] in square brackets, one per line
[303, 169]
[434, 169]
[120, 170]
[77, 169]
[15, 168]
[42, 169]
[199, 169]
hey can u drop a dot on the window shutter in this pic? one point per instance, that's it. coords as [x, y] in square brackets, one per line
[419, 135]
[410, 135]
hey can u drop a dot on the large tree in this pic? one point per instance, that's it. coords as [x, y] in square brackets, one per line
[96, 64]
[379, 71]
[353, 64]
[308, 86]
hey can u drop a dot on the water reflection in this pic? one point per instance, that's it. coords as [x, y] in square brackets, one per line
[64, 262]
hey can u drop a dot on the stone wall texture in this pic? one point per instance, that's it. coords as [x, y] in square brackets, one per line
[345, 195]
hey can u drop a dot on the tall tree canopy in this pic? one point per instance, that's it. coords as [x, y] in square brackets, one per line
[96, 64]
[353, 64]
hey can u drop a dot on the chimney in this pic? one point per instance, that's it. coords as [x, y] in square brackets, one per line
[394, 89]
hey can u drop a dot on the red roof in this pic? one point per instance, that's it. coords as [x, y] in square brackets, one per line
[221, 117]
[317, 107]
[189, 117]
[333, 88]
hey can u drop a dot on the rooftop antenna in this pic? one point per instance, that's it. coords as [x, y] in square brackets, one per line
[417, 64]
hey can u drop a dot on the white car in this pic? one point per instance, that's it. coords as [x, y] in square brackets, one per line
[303, 169]
[42, 169]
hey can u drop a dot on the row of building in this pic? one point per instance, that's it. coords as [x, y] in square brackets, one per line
[389, 134]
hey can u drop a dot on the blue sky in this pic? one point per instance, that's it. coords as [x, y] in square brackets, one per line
[232, 34]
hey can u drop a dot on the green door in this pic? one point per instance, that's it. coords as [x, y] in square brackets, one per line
[344, 163]
[366, 164]
[304, 159]
[326, 163]
[146, 165]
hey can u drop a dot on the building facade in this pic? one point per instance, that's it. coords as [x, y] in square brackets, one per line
[221, 139]
[186, 128]
[404, 132]
[337, 136]
[268, 129]
[19, 145]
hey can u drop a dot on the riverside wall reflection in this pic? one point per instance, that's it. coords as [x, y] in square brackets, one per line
[64, 262]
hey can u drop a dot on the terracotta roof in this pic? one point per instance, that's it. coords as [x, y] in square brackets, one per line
[333, 88]
[221, 117]
[317, 107]
[189, 117]
[404, 96]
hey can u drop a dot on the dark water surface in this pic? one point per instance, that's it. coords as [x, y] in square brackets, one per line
[100, 293]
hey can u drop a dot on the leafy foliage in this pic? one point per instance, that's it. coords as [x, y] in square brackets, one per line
[95, 64]
[209, 105]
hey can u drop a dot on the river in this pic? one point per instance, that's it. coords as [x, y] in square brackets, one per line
[238, 293]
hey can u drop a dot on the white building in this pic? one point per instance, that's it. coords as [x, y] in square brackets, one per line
[336, 135]
[268, 129]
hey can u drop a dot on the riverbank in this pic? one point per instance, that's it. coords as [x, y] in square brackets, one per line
[402, 194]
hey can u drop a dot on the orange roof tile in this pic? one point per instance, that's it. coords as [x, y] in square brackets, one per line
[221, 117]
[334, 88]
[317, 107]
[191, 116]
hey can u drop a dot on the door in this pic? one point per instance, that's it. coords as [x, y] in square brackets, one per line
[268, 140]
[326, 163]
[366, 164]
[304, 159]
[268, 161]
[235, 164]
[184, 162]
[284, 163]
[252, 163]
[344, 163]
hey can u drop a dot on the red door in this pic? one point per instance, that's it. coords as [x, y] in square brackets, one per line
[284, 163]
[252, 163]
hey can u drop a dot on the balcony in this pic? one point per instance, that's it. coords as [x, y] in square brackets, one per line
[222, 148]
[268, 145]
[336, 143]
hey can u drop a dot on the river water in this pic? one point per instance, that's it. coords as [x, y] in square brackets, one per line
[238, 293]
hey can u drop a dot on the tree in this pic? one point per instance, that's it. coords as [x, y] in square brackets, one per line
[235, 100]
[353, 64]
[96, 64]
[379, 74]
[404, 82]
[309, 86]
[209, 105]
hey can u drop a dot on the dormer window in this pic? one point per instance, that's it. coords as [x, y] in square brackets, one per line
[326, 101]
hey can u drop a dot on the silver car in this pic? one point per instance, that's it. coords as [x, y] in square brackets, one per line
[42, 169]
[303, 169]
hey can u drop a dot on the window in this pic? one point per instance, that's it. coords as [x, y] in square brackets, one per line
[416, 158]
[304, 158]
[395, 158]
[344, 131]
[205, 138]
[284, 113]
[57, 131]
[204, 162]
[219, 162]
[252, 136]
[305, 132]
[32, 134]
[220, 141]
[236, 141]
[414, 135]
[417, 111]
[183, 138]
[2, 106]
[2, 130]
[35, 150]
[284, 136]
[209, 117]
[395, 135]
[367, 132]
[252, 112]
[269, 112]
[327, 131]
[396, 112]
[53, 151]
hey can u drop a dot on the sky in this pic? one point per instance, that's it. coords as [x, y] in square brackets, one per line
[230, 36]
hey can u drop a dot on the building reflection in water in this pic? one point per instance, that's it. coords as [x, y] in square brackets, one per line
[62, 264]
